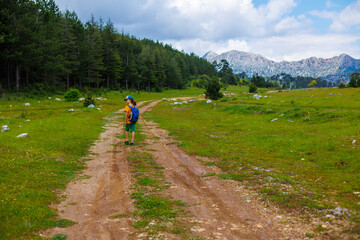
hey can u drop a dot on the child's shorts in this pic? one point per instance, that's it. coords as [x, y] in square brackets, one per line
[130, 127]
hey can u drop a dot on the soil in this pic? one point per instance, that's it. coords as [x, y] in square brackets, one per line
[218, 209]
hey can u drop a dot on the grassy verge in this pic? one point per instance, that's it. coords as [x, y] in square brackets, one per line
[294, 147]
[157, 215]
[34, 169]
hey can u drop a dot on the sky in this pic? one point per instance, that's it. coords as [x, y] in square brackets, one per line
[279, 30]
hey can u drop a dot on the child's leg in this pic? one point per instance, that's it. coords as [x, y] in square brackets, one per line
[132, 137]
[126, 136]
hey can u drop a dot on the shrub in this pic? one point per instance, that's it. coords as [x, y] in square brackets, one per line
[252, 88]
[342, 85]
[213, 90]
[72, 95]
[89, 100]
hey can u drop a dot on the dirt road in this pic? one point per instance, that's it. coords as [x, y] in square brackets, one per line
[219, 209]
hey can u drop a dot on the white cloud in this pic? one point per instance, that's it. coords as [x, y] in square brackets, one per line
[290, 48]
[343, 20]
[177, 19]
[300, 46]
[200, 47]
[211, 25]
[330, 4]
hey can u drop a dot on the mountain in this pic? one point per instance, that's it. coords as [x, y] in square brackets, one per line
[335, 68]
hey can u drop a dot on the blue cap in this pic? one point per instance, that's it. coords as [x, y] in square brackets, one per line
[128, 97]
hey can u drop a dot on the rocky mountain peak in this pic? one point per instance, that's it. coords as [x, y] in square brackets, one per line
[335, 68]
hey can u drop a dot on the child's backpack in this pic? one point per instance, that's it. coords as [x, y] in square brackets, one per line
[134, 115]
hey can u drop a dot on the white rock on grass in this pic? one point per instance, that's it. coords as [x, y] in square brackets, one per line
[23, 135]
[257, 96]
[164, 99]
[27, 104]
[354, 142]
[190, 101]
[185, 101]
[177, 103]
[27, 120]
[57, 99]
[91, 106]
[71, 110]
[99, 109]
[208, 101]
[173, 99]
[81, 99]
[5, 128]
[275, 119]
[101, 99]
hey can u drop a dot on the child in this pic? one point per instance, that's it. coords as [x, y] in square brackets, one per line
[129, 126]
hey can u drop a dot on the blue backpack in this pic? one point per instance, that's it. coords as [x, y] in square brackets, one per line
[134, 115]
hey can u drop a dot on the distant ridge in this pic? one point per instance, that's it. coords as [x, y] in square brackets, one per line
[333, 69]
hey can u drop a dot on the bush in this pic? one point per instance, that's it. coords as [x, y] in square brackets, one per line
[342, 85]
[88, 101]
[252, 88]
[213, 90]
[72, 95]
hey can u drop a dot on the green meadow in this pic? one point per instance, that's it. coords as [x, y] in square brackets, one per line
[34, 169]
[295, 148]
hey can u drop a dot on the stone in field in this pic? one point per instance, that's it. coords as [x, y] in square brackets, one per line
[91, 106]
[5, 128]
[23, 135]
[164, 99]
[208, 101]
[27, 104]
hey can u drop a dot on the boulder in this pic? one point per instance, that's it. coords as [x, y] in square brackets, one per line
[164, 99]
[81, 99]
[190, 101]
[23, 135]
[91, 106]
[257, 96]
[5, 128]
[185, 101]
[27, 104]
[208, 101]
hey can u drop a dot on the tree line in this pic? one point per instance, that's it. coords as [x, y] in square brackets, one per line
[42, 48]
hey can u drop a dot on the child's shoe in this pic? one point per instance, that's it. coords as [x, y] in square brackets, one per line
[126, 142]
[131, 143]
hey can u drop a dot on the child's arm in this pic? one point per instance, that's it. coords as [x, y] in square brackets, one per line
[126, 117]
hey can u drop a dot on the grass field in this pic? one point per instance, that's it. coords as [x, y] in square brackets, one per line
[34, 169]
[294, 148]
